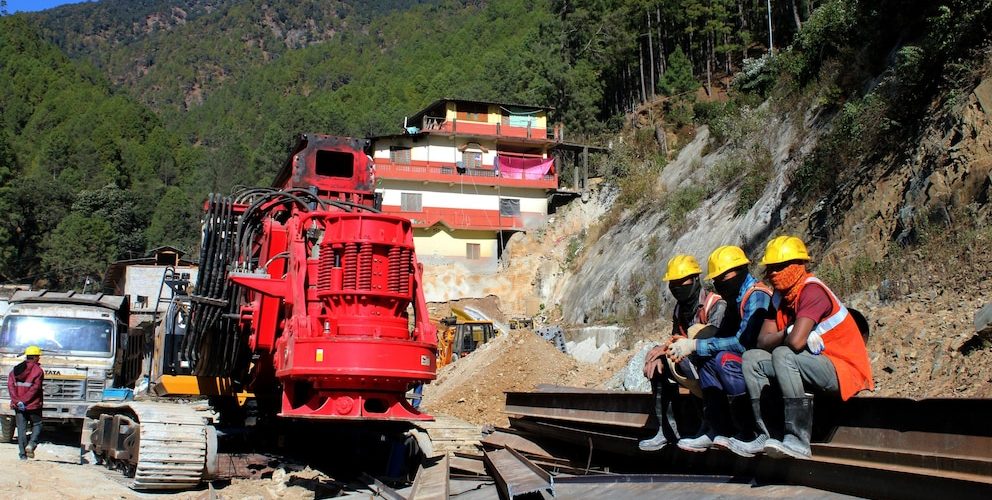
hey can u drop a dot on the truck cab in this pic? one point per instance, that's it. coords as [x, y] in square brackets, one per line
[87, 349]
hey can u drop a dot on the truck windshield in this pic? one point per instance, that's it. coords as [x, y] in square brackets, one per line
[82, 336]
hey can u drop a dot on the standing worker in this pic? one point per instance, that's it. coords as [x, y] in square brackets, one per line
[719, 357]
[694, 307]
[808, 342]
[24, 384]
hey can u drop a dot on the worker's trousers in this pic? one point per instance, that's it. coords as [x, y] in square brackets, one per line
[794, 372]
[722, 372]
[23, 419]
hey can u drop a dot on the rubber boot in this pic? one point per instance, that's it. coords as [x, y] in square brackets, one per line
[798, 422]
[750, 448]
[742, 419]
[714, 422]
[664, 394]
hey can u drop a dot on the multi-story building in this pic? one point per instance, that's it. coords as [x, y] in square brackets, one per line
[468, 174]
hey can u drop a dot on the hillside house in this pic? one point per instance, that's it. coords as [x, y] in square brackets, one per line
[468, 174]
[144, 280]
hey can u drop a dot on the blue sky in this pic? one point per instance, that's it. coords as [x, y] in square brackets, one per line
[33, 5]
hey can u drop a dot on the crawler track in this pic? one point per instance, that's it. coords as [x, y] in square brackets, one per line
[161, 446]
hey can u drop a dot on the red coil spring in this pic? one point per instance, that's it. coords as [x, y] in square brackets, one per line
[365, 267]
[405, 269]
[395, 268]
[324, 267]
[350, 264]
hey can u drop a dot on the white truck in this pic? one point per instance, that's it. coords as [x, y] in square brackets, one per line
[89, 354]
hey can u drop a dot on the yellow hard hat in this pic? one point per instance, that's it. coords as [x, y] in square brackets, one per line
[724, 259]
[680, 267]
[32, 350]
[783, 249]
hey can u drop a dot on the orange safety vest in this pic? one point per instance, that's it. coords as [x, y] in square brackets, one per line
[703, 314]
[757, 287]
[842, 342]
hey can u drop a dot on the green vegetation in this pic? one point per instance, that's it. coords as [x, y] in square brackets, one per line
[124, 115]
[80, 165]
[680, 202]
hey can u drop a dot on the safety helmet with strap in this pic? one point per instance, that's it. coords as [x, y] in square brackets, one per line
[784, 249]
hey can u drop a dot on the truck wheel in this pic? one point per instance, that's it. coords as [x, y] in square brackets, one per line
[6, 429]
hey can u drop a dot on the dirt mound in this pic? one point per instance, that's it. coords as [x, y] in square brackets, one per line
[472, 388]
[488, 305]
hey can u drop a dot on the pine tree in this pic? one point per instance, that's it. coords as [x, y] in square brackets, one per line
[678, 78]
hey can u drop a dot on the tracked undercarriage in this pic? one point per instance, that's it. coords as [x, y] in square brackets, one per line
[160, 446]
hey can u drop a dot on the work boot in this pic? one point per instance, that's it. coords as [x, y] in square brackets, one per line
[798, 422]
[29, 450]
[743, 422]
[714, 422]
[664, 393]
[702, 442]
[750, 448]
[654, 444]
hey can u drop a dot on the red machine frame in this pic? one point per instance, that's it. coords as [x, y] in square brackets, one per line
[328, 309]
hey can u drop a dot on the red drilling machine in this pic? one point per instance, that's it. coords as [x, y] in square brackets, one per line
[307, 298]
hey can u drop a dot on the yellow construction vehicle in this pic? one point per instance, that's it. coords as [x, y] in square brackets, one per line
[457, 338]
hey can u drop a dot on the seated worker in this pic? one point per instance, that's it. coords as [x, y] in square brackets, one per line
[693, 306]
[719, 357]
[808, 342]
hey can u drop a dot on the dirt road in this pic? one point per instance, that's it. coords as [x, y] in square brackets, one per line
[55, 473]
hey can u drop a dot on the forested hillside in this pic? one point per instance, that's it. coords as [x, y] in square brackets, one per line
[146, 106]
[84, 169]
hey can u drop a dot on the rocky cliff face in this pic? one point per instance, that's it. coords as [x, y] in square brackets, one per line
[925, 220]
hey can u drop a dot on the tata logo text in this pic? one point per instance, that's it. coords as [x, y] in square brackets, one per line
[52, 372]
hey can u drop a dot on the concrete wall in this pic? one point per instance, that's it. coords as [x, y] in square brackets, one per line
[431, 243]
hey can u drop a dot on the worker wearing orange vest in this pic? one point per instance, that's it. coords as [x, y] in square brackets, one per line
[694, 306]
[809, 341]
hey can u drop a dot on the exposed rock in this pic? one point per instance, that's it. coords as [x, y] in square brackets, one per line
[983, 320]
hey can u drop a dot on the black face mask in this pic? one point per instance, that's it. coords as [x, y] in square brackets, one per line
[685, 293]
[731, 288]
[687, 297]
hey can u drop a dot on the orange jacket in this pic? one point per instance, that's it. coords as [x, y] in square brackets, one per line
[842, 342]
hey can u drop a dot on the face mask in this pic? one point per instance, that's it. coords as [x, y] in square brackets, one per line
[729, 289]
[789, 277]
[686, 293]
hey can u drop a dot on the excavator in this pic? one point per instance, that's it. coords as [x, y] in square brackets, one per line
[459, 337]
[308, 302]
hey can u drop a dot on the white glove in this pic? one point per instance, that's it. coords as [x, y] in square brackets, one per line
[815, 343]
[682, 348]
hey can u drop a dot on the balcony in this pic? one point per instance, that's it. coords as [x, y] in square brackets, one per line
[467, 218]
[449, 173]
[438, 125]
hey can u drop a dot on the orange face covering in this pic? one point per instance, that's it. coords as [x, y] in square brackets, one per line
[787, 280]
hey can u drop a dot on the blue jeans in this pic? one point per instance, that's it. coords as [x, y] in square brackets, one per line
[23, 417]
[722, 372]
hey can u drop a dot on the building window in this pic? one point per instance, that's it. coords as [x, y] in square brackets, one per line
[473, 251]
[399, 155]
[475, 112]
[472, 159]
[509, 207]
[411, 202]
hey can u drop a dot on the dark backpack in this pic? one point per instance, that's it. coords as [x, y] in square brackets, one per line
[862, 323]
